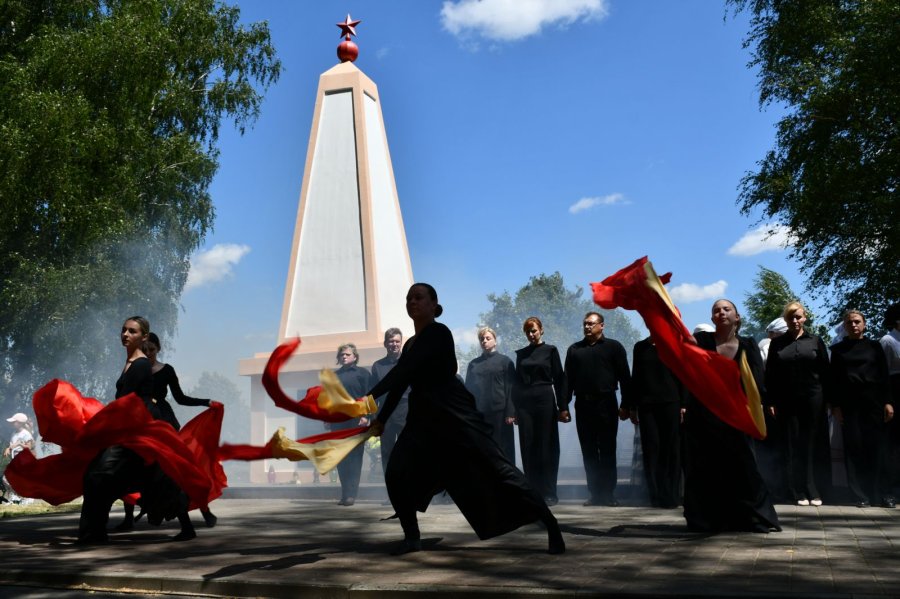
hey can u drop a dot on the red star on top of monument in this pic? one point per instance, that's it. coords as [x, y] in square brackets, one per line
[348, 27]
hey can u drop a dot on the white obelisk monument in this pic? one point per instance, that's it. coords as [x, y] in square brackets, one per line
[349, 269]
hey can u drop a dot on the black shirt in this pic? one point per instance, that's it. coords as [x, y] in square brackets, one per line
[859, 363]
[797, 371]
[597, 369]
[651, 381]
[540, 365]
[490, 378]
[164, 380]
[380, 368]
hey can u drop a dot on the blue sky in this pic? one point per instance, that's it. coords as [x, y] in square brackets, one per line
[526, 137]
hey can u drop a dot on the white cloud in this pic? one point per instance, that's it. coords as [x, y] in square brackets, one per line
[214, 264]
[466, 337]
[510, 20]
[382, 52]
[588, 203]
[688, 292]
[765, 238]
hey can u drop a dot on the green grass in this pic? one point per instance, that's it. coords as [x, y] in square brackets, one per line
[11, 510]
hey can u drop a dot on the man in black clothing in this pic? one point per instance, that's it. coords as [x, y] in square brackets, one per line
[356, 381]
[595, 367]
[393, 343]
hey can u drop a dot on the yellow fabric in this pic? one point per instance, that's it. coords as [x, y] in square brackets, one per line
[657, 286]
[335, 398]
[324, 455]
[754, 403]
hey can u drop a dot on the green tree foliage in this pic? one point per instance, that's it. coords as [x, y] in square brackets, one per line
[834, 172]
[109, 116]
[560, 309]
[766, 302]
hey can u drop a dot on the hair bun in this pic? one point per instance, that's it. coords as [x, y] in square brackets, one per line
[438, 310]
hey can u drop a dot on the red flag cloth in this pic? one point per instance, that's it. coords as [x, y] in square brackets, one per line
[82, 432]
[324, 451]
[201, 437]
[320, 403]
[715, 380]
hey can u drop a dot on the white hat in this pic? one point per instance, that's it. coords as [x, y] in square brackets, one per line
[704, 328]
[18, 417]
[777, 326]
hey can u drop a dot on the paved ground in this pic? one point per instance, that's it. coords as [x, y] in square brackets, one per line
[314, 548]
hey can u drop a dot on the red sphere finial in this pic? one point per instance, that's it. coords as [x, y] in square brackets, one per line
[347, 51]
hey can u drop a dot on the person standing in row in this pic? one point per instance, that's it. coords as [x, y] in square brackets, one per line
[798, 379]
[393, 343]
[596, 367]
[890, 343]
[490, 378]
[356, 381]
[658, 401]
[539, 403]
[864, 408]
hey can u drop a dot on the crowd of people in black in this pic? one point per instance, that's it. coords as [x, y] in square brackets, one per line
[440, 433]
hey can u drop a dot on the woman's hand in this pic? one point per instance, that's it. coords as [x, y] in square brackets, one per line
[888, 412]
[565, 416]
[510, 420]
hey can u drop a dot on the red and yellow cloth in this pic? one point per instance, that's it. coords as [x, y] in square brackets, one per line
[727, 389]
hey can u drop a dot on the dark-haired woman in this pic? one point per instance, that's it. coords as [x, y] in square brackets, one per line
[723, 490]
[117, 470]
[446, 444]
[864, 407]
[538, 391]
[165, 379]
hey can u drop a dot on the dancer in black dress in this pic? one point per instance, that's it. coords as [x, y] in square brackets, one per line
[723, 490]
[117, 470]
[446, 444]
[164, 380]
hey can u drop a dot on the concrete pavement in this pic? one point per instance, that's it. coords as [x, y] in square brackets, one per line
[314, 548]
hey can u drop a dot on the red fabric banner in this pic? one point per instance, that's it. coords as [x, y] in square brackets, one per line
[713, 379]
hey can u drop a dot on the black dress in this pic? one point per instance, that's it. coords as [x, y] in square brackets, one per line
[392, 429]
[862, 387]
[165, 380]
[723, 490]
[117, 470]
[446, 444]
[798, 378]
[490, 378]
[356, 381]
[538, 396]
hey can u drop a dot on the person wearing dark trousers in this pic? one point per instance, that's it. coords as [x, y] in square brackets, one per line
[864, 408]
[537, 394]
[596, 367]
[890, 343]
[393, 343]
[490, 378]
[356, 381]
[798, 380]
[657, 403]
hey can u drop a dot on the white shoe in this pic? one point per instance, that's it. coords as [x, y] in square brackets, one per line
[804, 502]
[815, 502]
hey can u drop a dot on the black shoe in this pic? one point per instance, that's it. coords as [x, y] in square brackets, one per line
[862, 503]
[889, 502]
[186, 534]
[592, 502]
[210, 518]
[347, 501]
[551, 501]
[612, 502]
